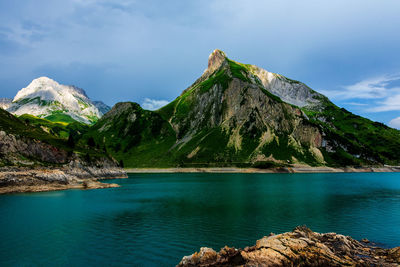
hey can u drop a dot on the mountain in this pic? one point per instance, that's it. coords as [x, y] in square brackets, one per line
[45, 98]
[241, 115]
[133, 135]
[5, 103]
[103, 108]
[34, 158]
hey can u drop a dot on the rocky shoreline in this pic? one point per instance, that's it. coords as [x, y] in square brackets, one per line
[301, 247]
[72, 176]
[296, 169]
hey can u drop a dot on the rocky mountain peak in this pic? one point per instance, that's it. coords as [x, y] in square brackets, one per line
[215, 60]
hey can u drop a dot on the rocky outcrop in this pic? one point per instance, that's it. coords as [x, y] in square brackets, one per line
[301, 247]
[290, 91]
[22, 150]
[77, 174]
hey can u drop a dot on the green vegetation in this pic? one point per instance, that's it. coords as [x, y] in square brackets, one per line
[239, 71]
[219, 78]
[359, 140]
[38, 100]
[60, 117]
[134, 135]
[60, 135]
[200, 129]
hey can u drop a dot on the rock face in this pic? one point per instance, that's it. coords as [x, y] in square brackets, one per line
[31, 165]
[290, 91]
[33, 160]
[302, 247]
[15, 148]
[45, 98]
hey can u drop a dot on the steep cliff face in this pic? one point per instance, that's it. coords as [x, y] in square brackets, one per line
[229, 105]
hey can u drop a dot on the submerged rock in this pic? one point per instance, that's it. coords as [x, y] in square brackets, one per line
[301, 247]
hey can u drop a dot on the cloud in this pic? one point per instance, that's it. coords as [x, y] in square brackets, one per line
[391, 103]
[172, 39]
[153, 104]
[371, 88]
[377, 94]
[395, 123]
[356, 104]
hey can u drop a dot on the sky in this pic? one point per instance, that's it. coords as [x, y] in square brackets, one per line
[150, 51]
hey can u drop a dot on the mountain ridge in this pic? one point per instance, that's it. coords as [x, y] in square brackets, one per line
[238, 114]
[234, 114]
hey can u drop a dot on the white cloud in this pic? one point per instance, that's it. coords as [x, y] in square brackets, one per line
[395, 123]
[153, 104]
[391, 103]
[372, 88]
[378, 92]
[356, 104]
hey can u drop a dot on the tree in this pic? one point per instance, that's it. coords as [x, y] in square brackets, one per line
[121, 163]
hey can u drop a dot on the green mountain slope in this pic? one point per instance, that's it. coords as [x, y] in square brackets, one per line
[234, 115]
[31, 141]
[134, 136]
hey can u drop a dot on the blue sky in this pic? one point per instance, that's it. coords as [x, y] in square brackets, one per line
[150, 51]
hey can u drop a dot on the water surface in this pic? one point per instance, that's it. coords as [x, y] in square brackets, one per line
[155, 219]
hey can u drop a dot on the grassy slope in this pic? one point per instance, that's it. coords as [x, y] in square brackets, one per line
[11, 124]
[143, 141]
[359, 135]
[56, 134]
[60, 117]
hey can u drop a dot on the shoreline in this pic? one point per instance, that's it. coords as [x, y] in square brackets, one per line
[296, 169]
[50, 180]
[24, 180]
[85, 185]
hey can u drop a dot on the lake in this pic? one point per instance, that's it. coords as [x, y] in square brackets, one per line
[156, 219]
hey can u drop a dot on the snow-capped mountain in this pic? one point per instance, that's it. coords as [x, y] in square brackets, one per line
[46, 98]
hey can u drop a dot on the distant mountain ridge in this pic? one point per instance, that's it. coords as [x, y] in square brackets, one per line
[241, 115]
[234, 114]
[45, 98]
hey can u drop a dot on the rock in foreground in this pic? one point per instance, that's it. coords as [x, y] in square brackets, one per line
[302, 247]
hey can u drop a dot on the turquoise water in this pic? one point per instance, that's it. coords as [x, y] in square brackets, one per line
[155, 219]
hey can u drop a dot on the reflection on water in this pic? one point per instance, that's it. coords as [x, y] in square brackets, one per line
[155, 219]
